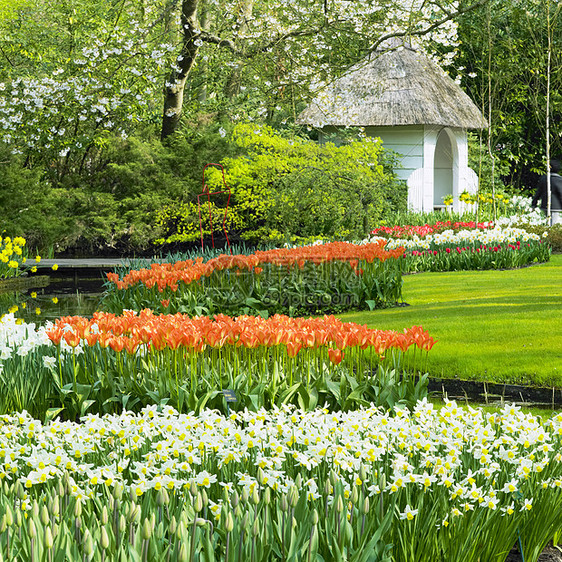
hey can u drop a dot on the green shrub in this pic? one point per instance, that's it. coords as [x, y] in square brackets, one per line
[553, 234]
[32, 208]
[286, 186]
[117, 205]
[133, 193]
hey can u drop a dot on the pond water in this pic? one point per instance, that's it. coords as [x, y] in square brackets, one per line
[60, 297]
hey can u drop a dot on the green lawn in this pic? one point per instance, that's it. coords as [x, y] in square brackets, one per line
[503, 326]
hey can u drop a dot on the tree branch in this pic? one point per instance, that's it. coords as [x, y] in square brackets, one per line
[231, 45]
[7, 57]
[450, 16]
[219, 41]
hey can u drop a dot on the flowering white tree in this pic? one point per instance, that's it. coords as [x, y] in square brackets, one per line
[283, 49]
[76, 73]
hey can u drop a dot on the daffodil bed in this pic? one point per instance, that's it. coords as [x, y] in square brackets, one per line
[291, 482]
[14, 257]
[451, 484]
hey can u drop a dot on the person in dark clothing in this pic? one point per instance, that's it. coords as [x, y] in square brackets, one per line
[541, 193]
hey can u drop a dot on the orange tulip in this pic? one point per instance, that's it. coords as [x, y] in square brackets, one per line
[336, 356]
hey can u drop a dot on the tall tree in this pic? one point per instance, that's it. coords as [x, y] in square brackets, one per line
[505, 65]
[288, 46]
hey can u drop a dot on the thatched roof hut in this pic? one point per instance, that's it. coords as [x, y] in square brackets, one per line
[407, 100]
[398, 87]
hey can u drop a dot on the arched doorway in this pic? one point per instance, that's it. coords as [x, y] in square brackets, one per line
[445, 168]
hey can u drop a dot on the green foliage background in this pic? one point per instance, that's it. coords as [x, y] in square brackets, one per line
[285, 186]
[144, 197]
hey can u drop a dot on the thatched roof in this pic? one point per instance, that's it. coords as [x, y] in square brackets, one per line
[398, 87]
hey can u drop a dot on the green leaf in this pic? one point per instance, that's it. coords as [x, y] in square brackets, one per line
[85, 405]
[52, 413]
[288, 394]
[334, 389]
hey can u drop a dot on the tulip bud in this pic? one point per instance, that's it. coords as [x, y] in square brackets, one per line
[117, 491]
[294, 522]
[267, 496]
[298, 481]
[9, 515]
[283, 503]
[31, 529]
[88, 543]
[256, 528]
[159, 532]
[35, 509]
[20, 492]
[104, 538]
[354, 495]
[339, 504]
[198, 505]
[48, 537]
[193, 489]
[166, 497]
[78, 508]
[255, 496]
[200, 522]
[137, 515]
[152, 520]
[234, 499]
[261, 476]
[362, 473]
[19, 518]
[160, 498]
[181, 529]
[293, 496]
[45, 519]
[122, 524]
[246, 521]
[245, 495]
[3, 524]
[205, 497]
[229, 523]
[134, 513]
[365, 506]
[173, 525]
[104, 518]
[182, 557]
[333, 477]
[55, 507]
[314, 517]
[327, 488]
[146, 529]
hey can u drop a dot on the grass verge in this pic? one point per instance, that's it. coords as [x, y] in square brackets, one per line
[502, 326]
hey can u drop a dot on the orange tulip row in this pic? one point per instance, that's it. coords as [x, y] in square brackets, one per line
[130, 330]
[170, 274]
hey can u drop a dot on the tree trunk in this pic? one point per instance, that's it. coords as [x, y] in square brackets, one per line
[548, 67]
[173, 99]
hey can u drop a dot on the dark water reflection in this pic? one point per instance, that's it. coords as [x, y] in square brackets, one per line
[61, 297]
